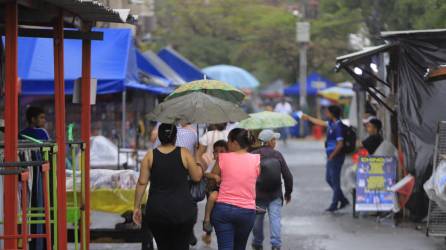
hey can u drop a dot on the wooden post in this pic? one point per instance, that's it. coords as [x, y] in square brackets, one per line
[59, 107]
[85, 130]
[11, 122]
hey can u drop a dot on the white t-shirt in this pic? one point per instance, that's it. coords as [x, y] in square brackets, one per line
[284, 108]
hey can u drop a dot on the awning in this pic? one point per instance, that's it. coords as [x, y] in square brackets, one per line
[315, 82]
[182, 66]
[359, 55]
[150, 62]
[113, 64]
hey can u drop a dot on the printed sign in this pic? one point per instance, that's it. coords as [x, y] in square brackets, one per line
[374, 177]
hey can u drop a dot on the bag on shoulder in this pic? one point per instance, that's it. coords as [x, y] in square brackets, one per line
[270, 178]
[349, 134]
[198, 190]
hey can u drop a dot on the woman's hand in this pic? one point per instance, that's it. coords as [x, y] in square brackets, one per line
[137, 216]
[217, 179]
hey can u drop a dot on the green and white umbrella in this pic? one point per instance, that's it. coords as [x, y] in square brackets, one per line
[197, 107]
[267, 120]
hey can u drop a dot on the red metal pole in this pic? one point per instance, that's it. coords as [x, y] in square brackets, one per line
[11, 122]
[59, 102]
[85, 128]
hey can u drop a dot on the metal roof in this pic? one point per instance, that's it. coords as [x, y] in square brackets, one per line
[42, 12]
[366, 52]
[92, 10]
[389, 34]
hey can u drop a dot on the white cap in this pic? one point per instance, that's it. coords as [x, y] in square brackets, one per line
[368, 119]
[267, 135]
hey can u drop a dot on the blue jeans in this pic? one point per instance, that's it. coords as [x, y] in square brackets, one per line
[274, 209]
[333, 178]
[232, 226]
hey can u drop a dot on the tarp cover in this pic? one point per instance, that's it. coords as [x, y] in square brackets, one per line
[420, 104]
[315, 82]
[113, 63]
[183, 67]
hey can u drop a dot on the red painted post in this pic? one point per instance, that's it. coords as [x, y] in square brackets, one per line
[85, 128]
[11, 122]
[59, 107]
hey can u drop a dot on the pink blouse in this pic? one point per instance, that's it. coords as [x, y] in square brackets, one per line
[239, 173]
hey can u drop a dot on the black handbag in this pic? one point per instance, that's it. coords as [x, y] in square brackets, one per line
[198, 190]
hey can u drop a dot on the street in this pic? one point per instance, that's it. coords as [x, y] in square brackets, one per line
[307, 227]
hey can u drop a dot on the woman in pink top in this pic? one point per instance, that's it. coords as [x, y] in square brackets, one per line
[234, 214]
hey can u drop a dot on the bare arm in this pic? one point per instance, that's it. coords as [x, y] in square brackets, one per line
[199, 155]
[195, 171]
[143, 180]
[314, 120]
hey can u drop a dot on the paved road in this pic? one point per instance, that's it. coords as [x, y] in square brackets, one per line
[306, 227]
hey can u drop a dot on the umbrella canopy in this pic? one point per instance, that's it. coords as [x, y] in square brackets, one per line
[197, 107]
[267, 119]
[214, 88]
[337, 93]
[235, 76]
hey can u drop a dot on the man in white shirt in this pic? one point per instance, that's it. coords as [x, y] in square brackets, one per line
[284, 107]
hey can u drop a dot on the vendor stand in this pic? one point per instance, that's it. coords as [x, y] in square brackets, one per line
[53, 15]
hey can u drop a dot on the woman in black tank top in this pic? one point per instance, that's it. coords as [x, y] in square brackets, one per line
[170, 211]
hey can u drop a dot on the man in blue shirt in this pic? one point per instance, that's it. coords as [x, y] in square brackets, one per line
[335, 154]
[36, 119]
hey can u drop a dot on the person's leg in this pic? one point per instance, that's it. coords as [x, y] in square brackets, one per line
[337, 169]
[257, 231]
[275, 216]
[224, 229]
[243, 223]
[328, 173]
[210, 205]
[147, 240]
[180, 235]
[162, 235]
[192, 238]
[331, 172]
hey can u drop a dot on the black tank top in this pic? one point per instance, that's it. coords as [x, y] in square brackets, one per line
[169, 200]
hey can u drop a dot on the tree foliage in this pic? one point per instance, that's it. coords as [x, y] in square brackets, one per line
[259, 35]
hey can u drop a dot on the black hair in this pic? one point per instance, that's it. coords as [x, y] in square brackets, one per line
[221, 144]
[220, 126]
[33, 112]
[242, 136]
[377, 124]
[335, 111]
[167, 134]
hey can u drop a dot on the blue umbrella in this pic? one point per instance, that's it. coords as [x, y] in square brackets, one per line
[235, 76]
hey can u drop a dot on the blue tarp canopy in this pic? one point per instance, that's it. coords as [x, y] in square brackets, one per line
[183, 67]
[113, 64]
[315, 83]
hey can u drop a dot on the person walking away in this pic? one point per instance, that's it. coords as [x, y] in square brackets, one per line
[234, 213]
[170, 211]
[186, 138]
[212, 191]
[335, 154]
[284, 107]
[205, 154]
[375, 138]
[269, 189]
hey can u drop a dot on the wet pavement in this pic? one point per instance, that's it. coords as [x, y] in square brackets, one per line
[307, 227]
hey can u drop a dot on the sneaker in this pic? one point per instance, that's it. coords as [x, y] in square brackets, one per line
[275, 248]
[331, 209]
[254, 247]
[207, 227]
